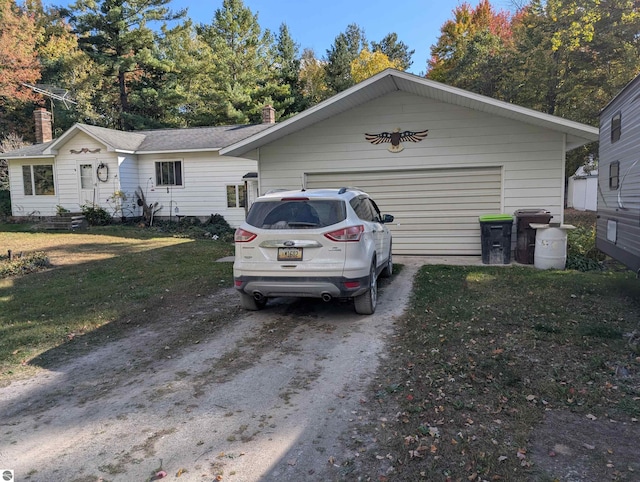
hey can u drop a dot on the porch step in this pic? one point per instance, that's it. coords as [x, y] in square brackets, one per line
[64, 222]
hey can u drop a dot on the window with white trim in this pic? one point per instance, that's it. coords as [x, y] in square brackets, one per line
[236, 196]
[37, 180]
[169, 173]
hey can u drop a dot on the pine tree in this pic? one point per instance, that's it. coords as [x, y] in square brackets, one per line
[116, 36]
[243, 74]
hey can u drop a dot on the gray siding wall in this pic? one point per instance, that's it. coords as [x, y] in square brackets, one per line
[621, 205]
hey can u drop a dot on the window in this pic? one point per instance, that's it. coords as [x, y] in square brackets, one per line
[38, 180]
[364, 208]
[236, 196]
[169, 173]
[614, 175]
[616, 127]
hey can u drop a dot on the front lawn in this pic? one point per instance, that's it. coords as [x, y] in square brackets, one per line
[484, 353]
[102, 277]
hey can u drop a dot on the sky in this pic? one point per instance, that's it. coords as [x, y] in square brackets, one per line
[315, 24]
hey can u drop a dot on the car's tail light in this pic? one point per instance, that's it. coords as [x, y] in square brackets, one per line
[243, 236]
[352, 233]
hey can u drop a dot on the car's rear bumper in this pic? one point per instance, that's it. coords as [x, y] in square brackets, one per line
[307, 287]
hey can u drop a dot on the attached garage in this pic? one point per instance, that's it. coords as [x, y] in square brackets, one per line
[434, 156]
[436, 210]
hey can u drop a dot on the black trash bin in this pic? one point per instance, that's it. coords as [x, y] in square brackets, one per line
[495, 230]
[526, 235]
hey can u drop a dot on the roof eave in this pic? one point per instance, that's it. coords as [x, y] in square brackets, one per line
[31, 156]
[178, 151]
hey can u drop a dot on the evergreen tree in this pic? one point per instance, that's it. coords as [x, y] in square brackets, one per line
[116, 36]
[345, 49]
[244, 75]
[397, 52]
[288, 61]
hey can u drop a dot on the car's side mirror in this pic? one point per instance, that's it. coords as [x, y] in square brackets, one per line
[387, 218]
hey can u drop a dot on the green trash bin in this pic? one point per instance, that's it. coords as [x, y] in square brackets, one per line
[495, 231]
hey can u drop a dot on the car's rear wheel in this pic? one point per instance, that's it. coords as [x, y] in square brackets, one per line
[365, 304]
[250, 303]
[387, 271]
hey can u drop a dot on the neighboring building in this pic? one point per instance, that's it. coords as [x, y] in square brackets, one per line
[180, 169]
[582, 190]
[618, 224]
[479, 156]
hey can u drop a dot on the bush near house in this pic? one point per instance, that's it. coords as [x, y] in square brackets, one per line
[582, 254]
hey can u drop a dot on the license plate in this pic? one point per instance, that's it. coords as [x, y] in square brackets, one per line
[289, 254]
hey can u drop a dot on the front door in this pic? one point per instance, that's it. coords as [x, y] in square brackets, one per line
[87, 182]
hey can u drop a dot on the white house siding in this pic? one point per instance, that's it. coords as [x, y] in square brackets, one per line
[22, 205]
[204, 190]
[67, 164]
[531, 159]
[129, 182]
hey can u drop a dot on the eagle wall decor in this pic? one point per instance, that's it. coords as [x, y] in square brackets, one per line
[396, 137]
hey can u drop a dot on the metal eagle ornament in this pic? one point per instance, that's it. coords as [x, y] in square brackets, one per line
[396, 137]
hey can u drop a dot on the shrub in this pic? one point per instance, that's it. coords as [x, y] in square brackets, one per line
[5, 204]
[582, 254]
[218, 226]
[23, 264]
[95, 215]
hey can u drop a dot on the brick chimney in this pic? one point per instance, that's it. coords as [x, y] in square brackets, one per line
[268, 115]
[42, 118]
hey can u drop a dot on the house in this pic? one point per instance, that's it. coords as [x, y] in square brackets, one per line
[618, 223]
[180, 169]
[582, 190]
[434, 156]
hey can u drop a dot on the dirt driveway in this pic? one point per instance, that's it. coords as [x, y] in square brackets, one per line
[203, 392]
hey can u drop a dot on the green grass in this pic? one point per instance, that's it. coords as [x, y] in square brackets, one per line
[483, 352]
[100, 277]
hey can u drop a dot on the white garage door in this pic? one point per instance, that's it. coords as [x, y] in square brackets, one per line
[436, 211]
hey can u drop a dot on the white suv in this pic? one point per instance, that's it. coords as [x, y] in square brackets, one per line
[317, 243]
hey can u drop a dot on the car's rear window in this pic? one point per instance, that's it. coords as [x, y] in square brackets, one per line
[296, 214]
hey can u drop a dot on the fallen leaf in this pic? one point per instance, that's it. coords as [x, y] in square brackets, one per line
[531, 398]
[502, 458]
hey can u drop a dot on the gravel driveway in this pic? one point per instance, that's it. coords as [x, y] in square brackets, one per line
[204, 392]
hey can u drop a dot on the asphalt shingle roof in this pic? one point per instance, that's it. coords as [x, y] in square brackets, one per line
[160, 140]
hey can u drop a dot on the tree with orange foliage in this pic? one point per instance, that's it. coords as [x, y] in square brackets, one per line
[470, 46]
[18, 55]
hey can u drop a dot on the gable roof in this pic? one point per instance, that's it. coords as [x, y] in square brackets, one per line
[391, 80]
[195, 139]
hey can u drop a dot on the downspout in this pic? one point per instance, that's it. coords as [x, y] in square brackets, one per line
[563, 194]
